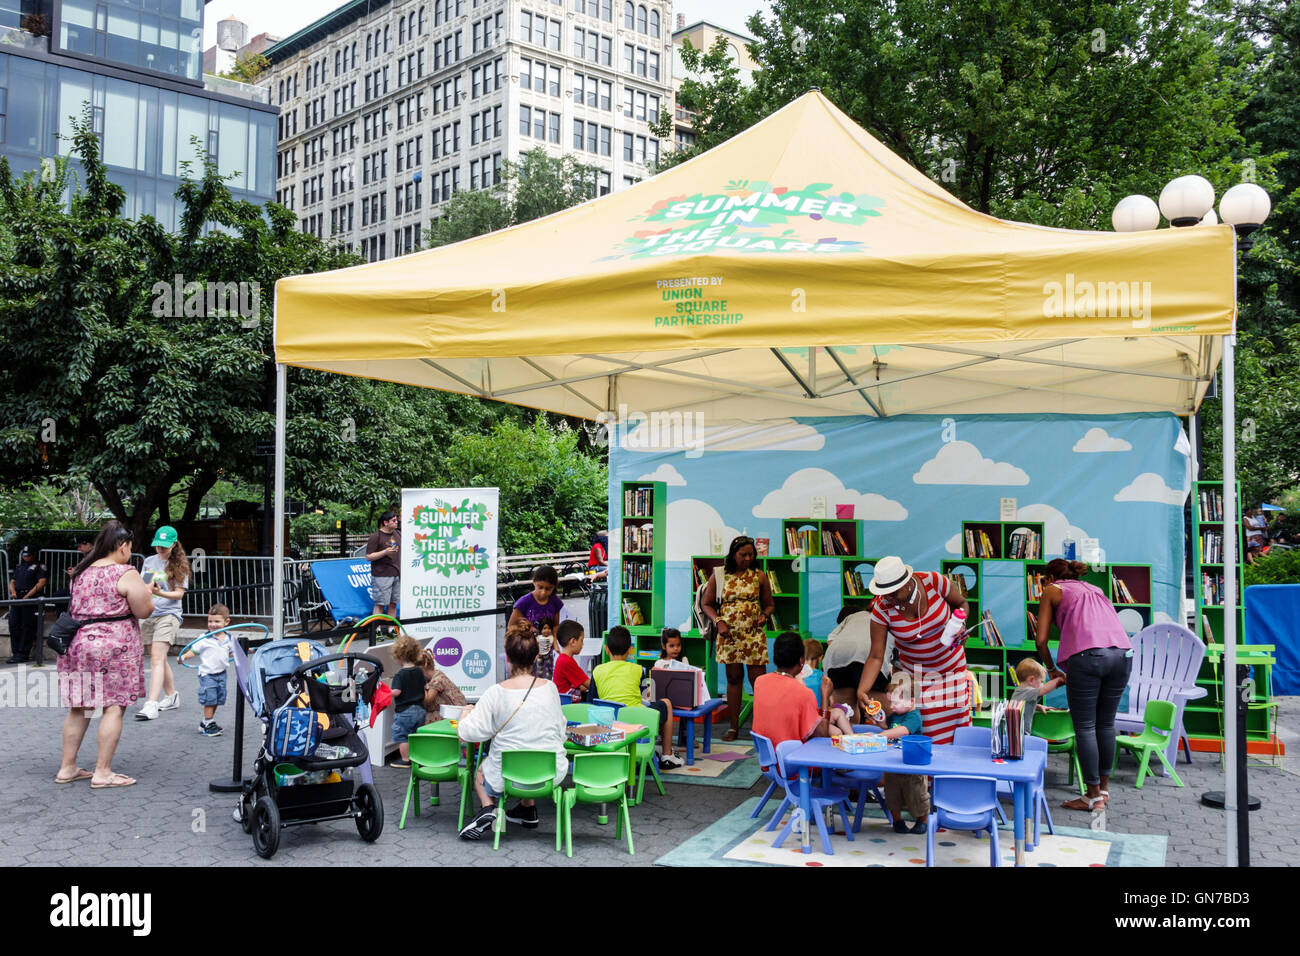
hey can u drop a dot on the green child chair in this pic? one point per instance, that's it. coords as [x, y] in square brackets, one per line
[1057, 728]
[1158, 719]
[436, 759]
[579, 712]
[529, 775]
[598, 778]
[643, 749]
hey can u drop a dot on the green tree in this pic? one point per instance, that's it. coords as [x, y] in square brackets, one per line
[114, 378]
[248, 67]
[553, 496]
[538, 185]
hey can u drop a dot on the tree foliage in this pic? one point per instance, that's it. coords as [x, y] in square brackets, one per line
[538, 185]
[112, 378]
[552, 495]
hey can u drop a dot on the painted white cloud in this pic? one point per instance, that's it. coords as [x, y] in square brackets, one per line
[665, 473]
[953, 544]
[1160, 617]
[1149, 486]
[1130, 620]
[1055, 526]
[688, 524]
[663, 432]
[1182, 444]
[794, 498]
[1096, 439]
[960, 463]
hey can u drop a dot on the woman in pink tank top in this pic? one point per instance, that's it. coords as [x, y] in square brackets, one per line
[1096, 652]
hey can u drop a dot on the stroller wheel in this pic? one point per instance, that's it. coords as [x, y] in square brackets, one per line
[266, 827]
[370, 812]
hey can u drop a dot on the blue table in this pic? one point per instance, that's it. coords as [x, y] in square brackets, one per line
[686, 729]
[946, 760]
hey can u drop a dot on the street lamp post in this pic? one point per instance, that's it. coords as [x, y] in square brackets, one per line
[1189, 201]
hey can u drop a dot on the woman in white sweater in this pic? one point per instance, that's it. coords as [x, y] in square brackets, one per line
[520, 713]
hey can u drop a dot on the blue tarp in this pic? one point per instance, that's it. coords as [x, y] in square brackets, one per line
[1272, 613]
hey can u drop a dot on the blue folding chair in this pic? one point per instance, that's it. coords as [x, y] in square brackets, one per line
[822, 798]
[983, 737]
[964, 803]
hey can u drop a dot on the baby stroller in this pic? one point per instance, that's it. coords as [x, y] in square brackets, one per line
[305, 779]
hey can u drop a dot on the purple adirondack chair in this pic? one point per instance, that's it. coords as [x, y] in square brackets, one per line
[1166, 659]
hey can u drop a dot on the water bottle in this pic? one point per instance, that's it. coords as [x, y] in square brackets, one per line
[956, 624]
[1067, 547]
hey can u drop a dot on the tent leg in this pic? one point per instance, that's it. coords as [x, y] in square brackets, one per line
[1230, 519]
[277, 561]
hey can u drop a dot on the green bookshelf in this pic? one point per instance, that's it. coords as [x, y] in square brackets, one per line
[855, 575]
[811, 536]
[1002, 540]
[642, 556]
[1208, 578]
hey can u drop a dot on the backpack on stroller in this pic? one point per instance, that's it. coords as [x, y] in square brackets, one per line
[313, 765]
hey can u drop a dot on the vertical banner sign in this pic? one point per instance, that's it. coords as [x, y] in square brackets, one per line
[449, 547]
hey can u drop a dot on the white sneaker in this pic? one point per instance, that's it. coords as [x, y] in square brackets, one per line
[670, 762]
[171, 702]
[147, 711]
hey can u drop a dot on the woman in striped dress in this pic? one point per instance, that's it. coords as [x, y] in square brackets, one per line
[914, 608]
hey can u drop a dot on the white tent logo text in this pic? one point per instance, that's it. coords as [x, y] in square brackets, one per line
[1093, 300]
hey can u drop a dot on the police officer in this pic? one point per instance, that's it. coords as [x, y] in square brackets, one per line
[27, 581]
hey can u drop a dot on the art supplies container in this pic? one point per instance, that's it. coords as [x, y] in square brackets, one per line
[916, 749]
[859, 743]
[286, 774]
[601, 715]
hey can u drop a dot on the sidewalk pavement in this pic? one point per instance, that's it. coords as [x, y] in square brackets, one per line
[171, 818]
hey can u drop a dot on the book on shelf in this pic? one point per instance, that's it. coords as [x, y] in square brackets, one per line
[802, 542]
[772, 582]
[638, 502]
[1025, 545]
[1034, 585]
[1211, 547]
[1209, 631]
[957, 582]
[992, 636]
[1211, 502]
[761, 546]
[1120, 592]
[637, 575]
[774, 622]
[632, 616]
[1031, 629]
[638, 539]
[979, 544]
[854, 585]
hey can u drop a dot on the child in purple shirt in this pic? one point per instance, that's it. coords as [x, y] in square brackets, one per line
[540, 606]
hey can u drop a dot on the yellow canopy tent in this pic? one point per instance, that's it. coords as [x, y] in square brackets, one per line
[801, 268]
[711, 286]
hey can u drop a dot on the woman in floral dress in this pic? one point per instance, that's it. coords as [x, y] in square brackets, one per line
[741, 616]
[103, 666]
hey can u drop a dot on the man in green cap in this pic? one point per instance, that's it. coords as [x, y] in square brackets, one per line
[167, 573]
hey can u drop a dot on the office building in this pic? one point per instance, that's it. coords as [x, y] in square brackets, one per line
[232, 43]
[702, 35]
[388, 109]
[136, 65]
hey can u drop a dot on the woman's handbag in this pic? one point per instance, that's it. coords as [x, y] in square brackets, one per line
[62, 632]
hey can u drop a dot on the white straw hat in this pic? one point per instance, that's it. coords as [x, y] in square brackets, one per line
[890, 574]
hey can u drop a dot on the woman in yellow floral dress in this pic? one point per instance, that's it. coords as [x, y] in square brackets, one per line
[740, 616]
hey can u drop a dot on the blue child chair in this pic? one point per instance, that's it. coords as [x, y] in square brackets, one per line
[983, 737]
[822, 798]
[866, 782]
[964, 803]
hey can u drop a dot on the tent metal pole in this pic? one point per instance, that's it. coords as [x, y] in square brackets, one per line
[277, 573]
[1230, 525]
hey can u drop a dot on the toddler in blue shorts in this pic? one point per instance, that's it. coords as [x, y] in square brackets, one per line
[214, 654]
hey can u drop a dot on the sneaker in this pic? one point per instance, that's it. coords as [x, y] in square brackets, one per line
[918, 827]
[900, 826]
[481, 825]
[670, 762]
[148, 711]
[210, 729]
[170, 702]
[524, 816]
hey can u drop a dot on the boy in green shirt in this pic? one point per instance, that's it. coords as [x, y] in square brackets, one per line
[618, 680]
